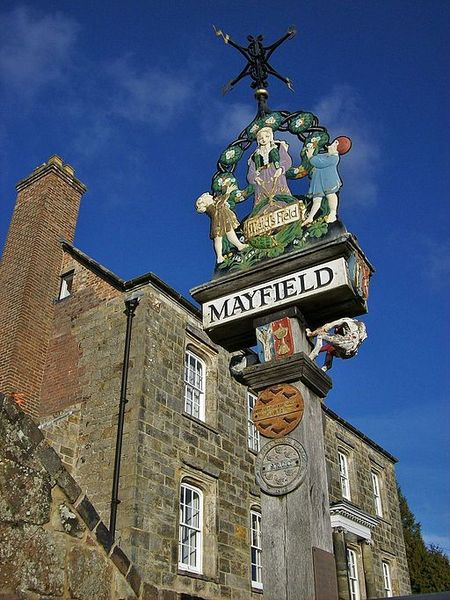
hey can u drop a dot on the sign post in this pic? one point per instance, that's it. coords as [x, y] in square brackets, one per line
[287, 273]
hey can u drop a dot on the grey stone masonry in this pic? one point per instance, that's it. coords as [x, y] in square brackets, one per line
[162, 445]
[364, 457]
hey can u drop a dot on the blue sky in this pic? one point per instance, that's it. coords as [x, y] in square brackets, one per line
[130, 95]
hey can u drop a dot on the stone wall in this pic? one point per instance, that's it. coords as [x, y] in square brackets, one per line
[163, 446]
[364, 457]
[62, 431]
[62, 384]
[212, 455]
[52, 541]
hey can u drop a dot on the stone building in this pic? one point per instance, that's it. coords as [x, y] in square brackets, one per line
[189, 506]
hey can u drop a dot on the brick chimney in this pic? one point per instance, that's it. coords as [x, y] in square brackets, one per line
[46, 210]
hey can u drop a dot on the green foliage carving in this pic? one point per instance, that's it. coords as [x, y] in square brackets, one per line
[301, 122]
[287, 238]
[231, 155]
[273, 120]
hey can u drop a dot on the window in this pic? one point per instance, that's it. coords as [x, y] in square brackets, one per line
[252, 432]
[353, 580]
[194, 385]
[387, 580]
[343, 475]
[190, 535]
[65, 288]
[256, 549]
[377, 495]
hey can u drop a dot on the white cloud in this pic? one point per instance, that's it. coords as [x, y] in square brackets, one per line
[222, 124]
[149, 96]
[34, 49]
[341, 113]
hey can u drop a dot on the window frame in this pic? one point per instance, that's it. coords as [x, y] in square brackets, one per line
[376, 488]
[182, 525]
[66, 284]
[253, 436]
[189, 385]
[353, 575]
[344, 479]
[256, 549]
[387, 579]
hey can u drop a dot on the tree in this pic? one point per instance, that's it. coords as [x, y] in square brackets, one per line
[429, 567]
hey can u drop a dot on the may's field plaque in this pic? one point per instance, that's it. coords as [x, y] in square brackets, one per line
[278, 410]
[281, 466]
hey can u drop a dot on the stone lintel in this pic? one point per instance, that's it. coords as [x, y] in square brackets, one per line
[298, 367]
[200, 465]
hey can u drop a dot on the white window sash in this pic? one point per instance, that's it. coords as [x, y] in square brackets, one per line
[353, 580]
[377, 495]
[252, 432]
[190, 529]
[194, 385]
[387, 580]
[256, 550]
[343, 476]
[65, 289]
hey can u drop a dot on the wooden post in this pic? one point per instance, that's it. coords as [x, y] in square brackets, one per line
[298, 559]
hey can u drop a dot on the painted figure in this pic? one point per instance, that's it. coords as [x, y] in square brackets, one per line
[223, 222]
[325, 180]
[265, 343]
[267, 167]
[344, 342]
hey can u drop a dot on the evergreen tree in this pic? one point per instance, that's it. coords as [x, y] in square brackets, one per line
[429, 567]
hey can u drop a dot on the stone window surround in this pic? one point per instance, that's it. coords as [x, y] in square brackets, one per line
[209, 356]
[255, 510]
[207, 485]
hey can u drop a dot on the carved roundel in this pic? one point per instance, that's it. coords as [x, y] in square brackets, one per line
[278, 410]
[281, 466]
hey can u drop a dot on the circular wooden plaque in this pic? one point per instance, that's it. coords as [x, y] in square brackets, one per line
[278, 410]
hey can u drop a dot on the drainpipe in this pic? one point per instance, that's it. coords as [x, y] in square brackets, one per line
[131, 304]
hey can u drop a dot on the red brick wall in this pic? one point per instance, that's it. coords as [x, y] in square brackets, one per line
[46, 210]
[64, 368]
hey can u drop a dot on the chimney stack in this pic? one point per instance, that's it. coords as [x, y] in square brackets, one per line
[46, 210]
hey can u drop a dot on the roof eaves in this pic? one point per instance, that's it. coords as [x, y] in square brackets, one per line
[130, 284]
[94, 266]
[165, 288]
[359, 433]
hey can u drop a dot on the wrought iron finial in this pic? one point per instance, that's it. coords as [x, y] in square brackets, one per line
[257, 67]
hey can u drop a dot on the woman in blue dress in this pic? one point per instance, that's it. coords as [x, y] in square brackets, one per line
[325, 180]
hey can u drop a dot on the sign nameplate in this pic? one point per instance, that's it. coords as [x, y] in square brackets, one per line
[278, 410]
[278, 292]
[281, 466]
[268, 222]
